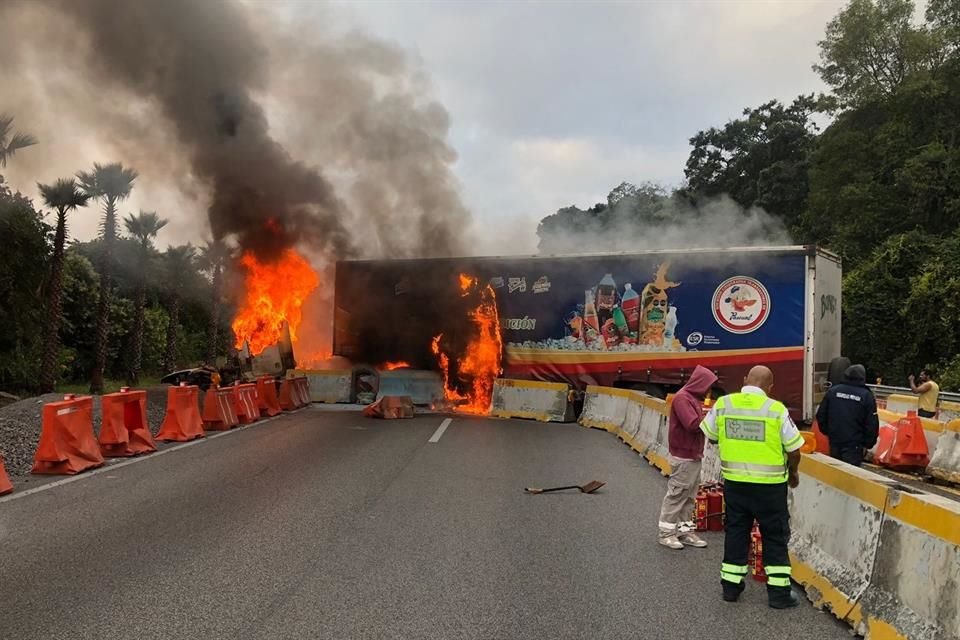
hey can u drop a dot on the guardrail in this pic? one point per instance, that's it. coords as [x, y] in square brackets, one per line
[882, 391]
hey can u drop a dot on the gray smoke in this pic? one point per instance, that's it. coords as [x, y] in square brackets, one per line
[633, 224]
[233, 103]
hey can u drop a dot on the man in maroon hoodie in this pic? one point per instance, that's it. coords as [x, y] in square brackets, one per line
[686, 453]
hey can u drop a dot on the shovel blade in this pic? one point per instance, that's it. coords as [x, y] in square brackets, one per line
[592, 486]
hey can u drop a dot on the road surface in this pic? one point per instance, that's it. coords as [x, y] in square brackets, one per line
[325, 524]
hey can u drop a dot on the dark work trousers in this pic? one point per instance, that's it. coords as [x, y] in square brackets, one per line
[851, 454]
[767, 504]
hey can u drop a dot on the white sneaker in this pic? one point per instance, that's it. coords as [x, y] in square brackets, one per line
[691, 540]
[671, 541]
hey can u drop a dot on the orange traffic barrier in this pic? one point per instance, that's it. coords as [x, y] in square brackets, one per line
[823, 442]
[182, 421]
[267, 400]
[67, 443]
[245, 403]
[903, 445]
[218, 413]
[809, 442]
[124, 430]
[289, 396]
[5, 485]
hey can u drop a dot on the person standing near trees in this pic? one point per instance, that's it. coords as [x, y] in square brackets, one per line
[929, 392]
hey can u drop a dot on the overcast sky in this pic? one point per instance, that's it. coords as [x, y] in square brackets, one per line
[553, 103]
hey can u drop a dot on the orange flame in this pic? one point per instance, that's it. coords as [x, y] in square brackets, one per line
[390, 366]
[273, 294]
[480, 364]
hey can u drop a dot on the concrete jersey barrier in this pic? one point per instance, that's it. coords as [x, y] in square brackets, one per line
[945, 460]
[329, 386]
[882, 558]
[638, 419]
[544, 401]
[605, 408]
[899, 403]
[949, 411]
[423, 387]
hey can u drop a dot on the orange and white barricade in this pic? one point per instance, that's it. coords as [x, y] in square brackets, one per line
[182, 421]
[124, 430]
[67, 442]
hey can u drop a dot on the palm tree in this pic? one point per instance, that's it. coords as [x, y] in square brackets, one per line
[212, 257]
[178, 261]
[64, 196]
[11, 142]
[144, 228]
[110, 184]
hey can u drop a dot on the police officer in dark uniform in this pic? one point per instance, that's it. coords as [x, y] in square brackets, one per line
[759, 448]
[847, 415]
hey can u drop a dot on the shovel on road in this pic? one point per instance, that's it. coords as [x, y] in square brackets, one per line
[590, 487]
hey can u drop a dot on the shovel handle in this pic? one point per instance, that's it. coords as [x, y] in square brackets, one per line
[532, 490]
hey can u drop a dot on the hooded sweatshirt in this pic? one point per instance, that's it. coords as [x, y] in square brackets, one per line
[848, 412]
[686, 413]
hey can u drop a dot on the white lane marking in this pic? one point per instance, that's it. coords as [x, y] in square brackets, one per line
[112, 464]
[439, 432]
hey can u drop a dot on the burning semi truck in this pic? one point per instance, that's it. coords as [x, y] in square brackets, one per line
[641, 320]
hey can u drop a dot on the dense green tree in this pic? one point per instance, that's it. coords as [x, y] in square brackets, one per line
[758, 160]
[178, 262]
[23, 267]
[212, 258]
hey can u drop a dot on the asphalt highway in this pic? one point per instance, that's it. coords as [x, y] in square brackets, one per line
[326, 524]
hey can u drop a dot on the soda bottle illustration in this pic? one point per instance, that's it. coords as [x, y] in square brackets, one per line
[591, 323]
[630, 304]
[620, 321]
[670, 327]
[606, 298]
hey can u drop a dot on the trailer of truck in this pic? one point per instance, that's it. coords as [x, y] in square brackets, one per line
[641, 320]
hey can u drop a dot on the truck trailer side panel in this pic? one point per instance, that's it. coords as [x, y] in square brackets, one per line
[575, 319]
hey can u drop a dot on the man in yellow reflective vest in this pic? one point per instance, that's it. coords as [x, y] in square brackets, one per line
[759, 456]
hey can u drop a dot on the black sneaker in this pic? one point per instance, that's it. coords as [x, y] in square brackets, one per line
[782, 599]
[731, 591]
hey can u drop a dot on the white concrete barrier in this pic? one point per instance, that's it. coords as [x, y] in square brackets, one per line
[949, 411]
[631, 425]
[915, 588]
[423, 387]
[544, 401]
[330, 386]
[605, 408]
[836, 518]
[945, 461]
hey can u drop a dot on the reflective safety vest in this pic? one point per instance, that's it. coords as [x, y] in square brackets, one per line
[748, 429]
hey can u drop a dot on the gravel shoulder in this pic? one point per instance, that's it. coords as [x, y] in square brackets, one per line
[20, 425]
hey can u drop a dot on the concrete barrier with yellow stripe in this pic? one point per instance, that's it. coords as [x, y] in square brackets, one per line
[636, 418]
[949, 411]
[900, 403]
[945, 460]
[330, 386]
[531, 399]
[879, 556]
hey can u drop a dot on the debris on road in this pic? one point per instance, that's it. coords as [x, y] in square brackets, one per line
[390, 407]
[590, 487]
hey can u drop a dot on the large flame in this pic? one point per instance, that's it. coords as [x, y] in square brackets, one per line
[391, 365]
[273, 294]
[480, 364]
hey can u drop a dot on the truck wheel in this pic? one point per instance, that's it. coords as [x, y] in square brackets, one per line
[837, 367]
